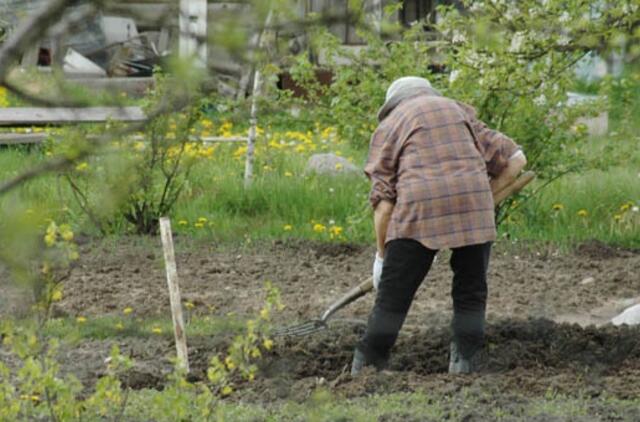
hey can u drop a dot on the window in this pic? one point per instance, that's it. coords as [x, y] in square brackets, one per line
[416, 11]
[337, 12]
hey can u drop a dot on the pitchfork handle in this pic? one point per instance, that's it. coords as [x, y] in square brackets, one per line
[353, 294]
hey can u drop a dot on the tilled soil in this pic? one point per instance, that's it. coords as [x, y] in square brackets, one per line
[530, 349]
[524, 281]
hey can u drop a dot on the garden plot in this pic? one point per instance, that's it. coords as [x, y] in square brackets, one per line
[121, 284]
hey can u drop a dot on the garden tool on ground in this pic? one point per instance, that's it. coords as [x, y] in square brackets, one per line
[320, 324]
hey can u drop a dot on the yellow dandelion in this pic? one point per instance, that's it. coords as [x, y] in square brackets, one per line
[189, 305]
[226, 390]
[617, 218]
[81, 320]
[119, 326]
[183, 223]
[335, 230]
[229, 362]
[267, 343]
[66, 233]
[288, 174]
[583, 213]
[128, 310]
[239, 152]
[264, 313]
[50, 239]
[319, 228]
[338, 166]
[557, 207]
[156, 330]
[287, 227]
[198, 225]
[56, 296]
[625, 207]
[82, 166]
[202, 220]
[255, 353]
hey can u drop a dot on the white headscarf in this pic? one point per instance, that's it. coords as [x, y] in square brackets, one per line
[403, 88]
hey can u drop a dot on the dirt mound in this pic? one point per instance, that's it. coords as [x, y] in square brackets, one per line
[596, 249]
[511, 344]
[523, 354]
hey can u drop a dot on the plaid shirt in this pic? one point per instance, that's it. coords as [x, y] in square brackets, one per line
[433, 158]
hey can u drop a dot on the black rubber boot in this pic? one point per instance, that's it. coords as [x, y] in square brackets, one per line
[358, 362]
[458, 364]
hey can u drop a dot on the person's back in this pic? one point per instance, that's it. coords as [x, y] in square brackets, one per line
[443, 197]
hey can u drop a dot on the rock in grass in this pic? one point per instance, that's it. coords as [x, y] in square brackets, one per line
[630, 316]
[331, 165]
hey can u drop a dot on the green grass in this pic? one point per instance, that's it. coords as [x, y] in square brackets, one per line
[109, 327]
[602, 195]
[424, 406]
[283, 202]
[277, 199]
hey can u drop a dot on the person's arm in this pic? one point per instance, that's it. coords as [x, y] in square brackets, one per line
[503, 157]
[381, 217]
[381, 169]
[509, 173]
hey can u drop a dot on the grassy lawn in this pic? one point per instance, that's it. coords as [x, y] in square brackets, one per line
[600, 203]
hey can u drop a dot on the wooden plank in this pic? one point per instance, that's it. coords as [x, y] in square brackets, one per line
[174, 293]
[38, 138]
[22, 138]
[154, 15]
[37, 116]
[133, 87]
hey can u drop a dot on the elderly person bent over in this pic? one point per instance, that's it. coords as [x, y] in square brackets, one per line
[434, 168]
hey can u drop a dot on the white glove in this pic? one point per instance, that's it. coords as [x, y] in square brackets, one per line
[377, 270]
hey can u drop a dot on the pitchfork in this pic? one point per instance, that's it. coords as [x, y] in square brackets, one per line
[316, 325]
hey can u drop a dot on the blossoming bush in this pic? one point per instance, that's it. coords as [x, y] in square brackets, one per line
[513, 61]
[139, 178]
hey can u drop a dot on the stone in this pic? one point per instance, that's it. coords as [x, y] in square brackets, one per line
[597, 125]
[587, 280]
[331, 165]
[630, 316]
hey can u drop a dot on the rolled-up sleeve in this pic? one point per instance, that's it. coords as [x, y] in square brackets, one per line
[495, 147]
[381, 167]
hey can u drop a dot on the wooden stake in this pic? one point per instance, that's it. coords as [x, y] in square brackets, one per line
[174, 293]
[257, 85]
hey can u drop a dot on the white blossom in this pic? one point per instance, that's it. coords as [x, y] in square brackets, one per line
[563, 40]
[564, 17]
[540, 100]
[454, 75]
[516, 42]
[458, 37]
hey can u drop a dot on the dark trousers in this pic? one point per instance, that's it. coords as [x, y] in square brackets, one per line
[406, 263]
